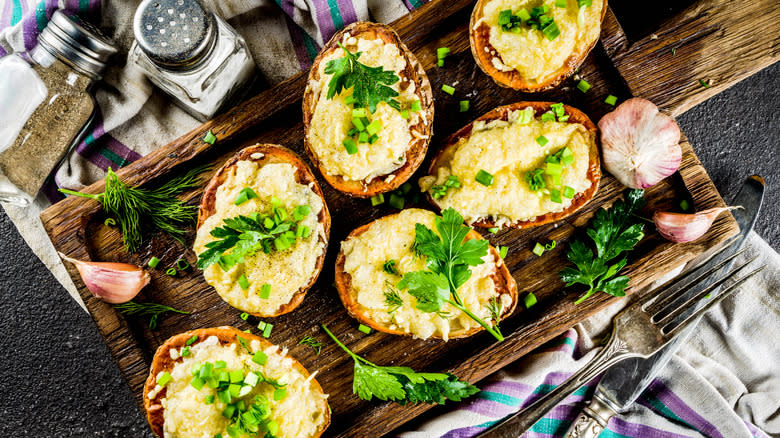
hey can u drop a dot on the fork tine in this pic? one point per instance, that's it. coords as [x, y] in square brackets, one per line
[670, 290]
[675, 311]
[722, 296]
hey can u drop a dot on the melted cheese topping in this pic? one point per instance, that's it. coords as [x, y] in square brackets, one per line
[391, 238]
[508, 150]
[332, 118]
[536, 58]
[187, 415]
[286, 271]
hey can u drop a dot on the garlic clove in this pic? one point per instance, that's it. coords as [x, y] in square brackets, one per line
[683, 227]
[112, 282]
[640, 146]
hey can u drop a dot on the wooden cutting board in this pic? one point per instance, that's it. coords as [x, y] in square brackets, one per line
[618, 66]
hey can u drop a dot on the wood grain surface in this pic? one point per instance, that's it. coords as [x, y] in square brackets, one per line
[76, 228]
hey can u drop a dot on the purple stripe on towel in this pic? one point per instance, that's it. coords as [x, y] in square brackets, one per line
[757, 433]
[5, 16]
[295, 34]
[29, 27]
[660, 391]
[623, 427]
[347, 11]
[324, 19]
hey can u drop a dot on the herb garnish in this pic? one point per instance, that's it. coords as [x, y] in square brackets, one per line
[140, 209]
[313, 343]
[152, 310]
[370, 85]
[403, 384]
[393, 299]
[449, 258]
[390, 267]
[612, 233]
[246, 235]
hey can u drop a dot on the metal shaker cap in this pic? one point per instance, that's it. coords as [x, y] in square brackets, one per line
[78, 43]
[174, 33]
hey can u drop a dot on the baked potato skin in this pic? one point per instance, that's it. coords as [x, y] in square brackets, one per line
[271, 153]
[503, 280]
[502, 113]
[479, 38]
[414, 72]
[162, 362]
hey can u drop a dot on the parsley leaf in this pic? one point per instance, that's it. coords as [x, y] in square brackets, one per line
[613, 233]
[370, 85]
[402, 384]
[449, 256]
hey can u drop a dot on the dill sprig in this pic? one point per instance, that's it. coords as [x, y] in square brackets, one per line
[393, 299]
[313, 343]
[139, 209]
[151, 310]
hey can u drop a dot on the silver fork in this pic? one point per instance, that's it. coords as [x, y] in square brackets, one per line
[637, 331]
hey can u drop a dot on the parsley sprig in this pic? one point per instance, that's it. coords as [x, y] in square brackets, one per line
[243, 236]
[370, 85]
[613, 233]
[402, 384]
[449, 257]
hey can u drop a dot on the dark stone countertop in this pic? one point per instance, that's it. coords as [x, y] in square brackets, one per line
[60, 379]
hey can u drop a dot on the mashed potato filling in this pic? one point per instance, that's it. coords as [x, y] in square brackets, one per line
[508, 150]
[391, 238]
[187, 415]
[535, 57]
[286, 271]
[332, 118]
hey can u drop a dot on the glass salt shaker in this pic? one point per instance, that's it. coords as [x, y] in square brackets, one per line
[191, 54]
[46, 108]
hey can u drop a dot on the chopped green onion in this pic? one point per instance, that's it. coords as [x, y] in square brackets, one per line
[171, 272]
[703, 83]
[209, 399]
[583, 85]
[358, 124]
[265, 291]
[505, 17]
[416, 107]
[243, 282]
[267, 330]
[363, 137]
[502, 251]
[440, 62]
[244, 316]
[349, 100]
[611, 100]
[153, 262]
[220, 364]
[568, 192]
[493, 230]
[301, 212]
[542, 140]
[350, 146]
[396, 201]
[551, 31]
[210, 138]
[191, 340]
[582, 3]
[235, 391]
[567, 157]
[236, 376]
[442, 52]
[555, 196]
[302, 231]
[464, 106]
[279, 394]
[185, 351]
[109, 222]
[553, 169]
[529, 300]
[197, 383]
[484, 178]
[525, 116]
[251, 379]
[523, 14]
[261, 325]
[182, 264]
[548, 117]
[406, 188]
[535, 179]
[205, 371]
[244, 195]
[364, 329]
[684, 205]
[538, 249]
[560, 3]
[259, 358]
[448, 89]
[359, 112]
[374, 127]
[373, 139]
[164, 378]
[405, 114]
[377, 200]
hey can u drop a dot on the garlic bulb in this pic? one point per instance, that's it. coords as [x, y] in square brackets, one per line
[682, 227]
[639, 145]
[112, 282]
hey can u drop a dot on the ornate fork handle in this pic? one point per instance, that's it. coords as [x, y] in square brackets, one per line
[615, 351]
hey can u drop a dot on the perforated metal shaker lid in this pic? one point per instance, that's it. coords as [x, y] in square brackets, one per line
[174, 33]
[77, 42]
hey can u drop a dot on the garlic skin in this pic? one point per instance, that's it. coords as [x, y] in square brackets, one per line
[639, 145]
[113, 283]
[682, 227]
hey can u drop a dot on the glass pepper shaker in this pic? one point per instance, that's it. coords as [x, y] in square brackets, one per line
[191, 54]
[47, 107]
